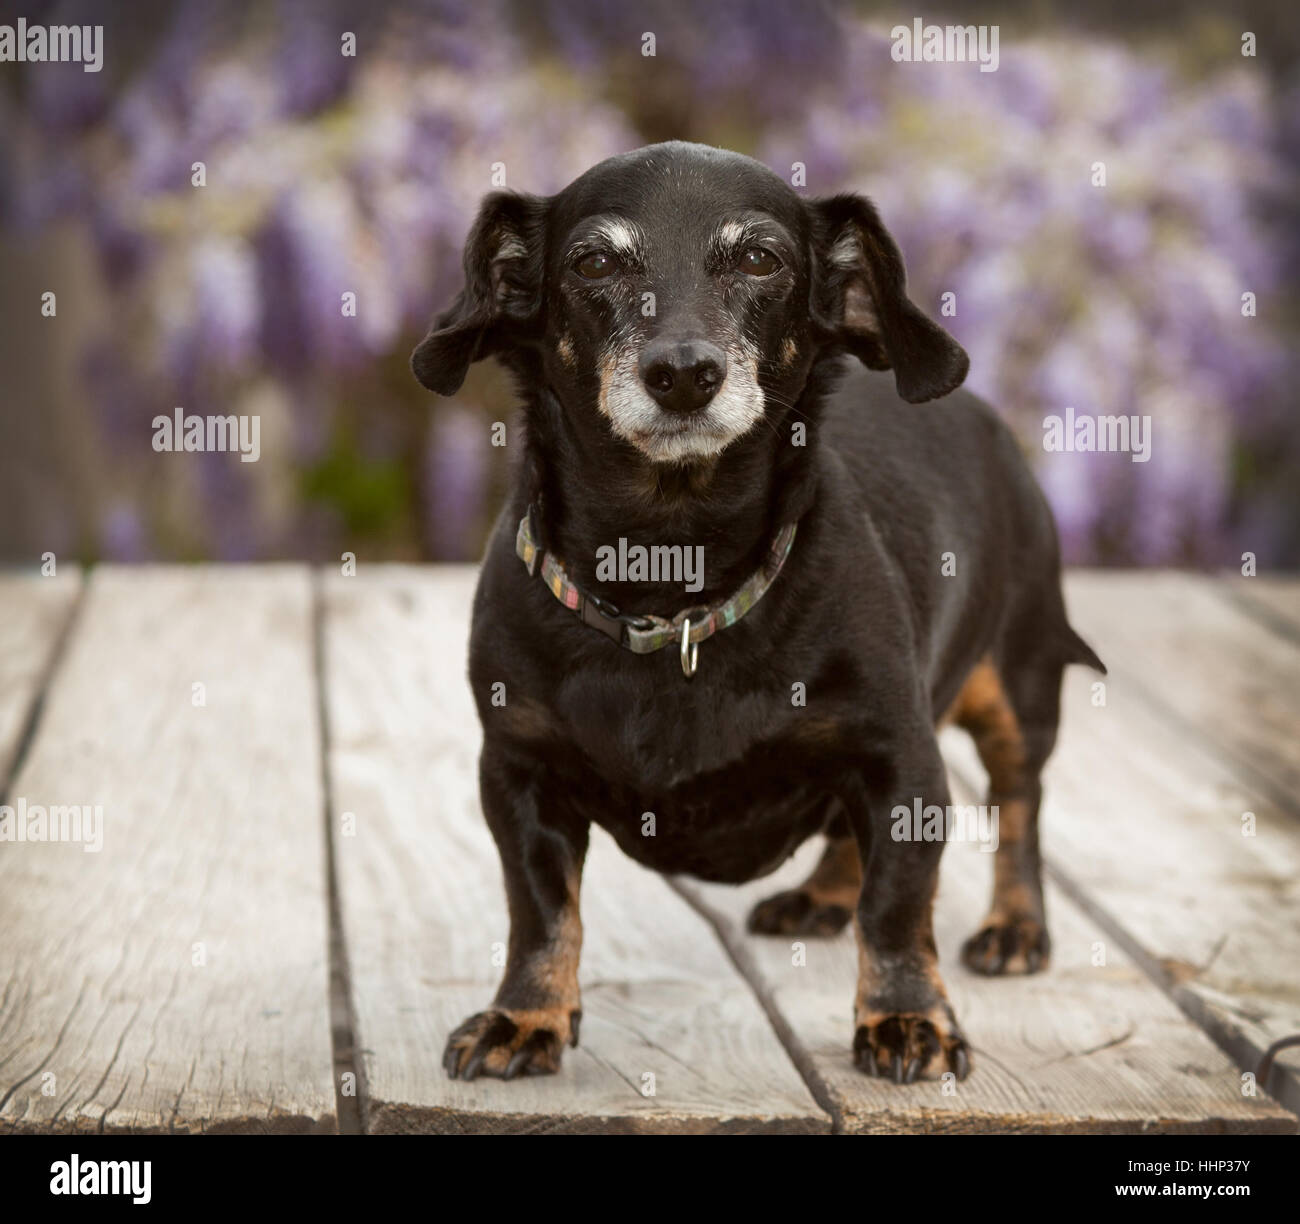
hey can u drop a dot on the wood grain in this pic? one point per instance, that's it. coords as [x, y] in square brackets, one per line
[34, 614]
[1152, 829]
[423, 907]
[212, 852]
[1203, 665]
[1147, 831]
[1272, 600]
[214, 835]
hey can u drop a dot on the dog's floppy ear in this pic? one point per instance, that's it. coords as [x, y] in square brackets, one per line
[860, 300]
[503, 262]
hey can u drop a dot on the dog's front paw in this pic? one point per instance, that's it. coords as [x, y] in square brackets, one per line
[1008, 943]
[507, 1043]
[797, 912]
[907, 1046]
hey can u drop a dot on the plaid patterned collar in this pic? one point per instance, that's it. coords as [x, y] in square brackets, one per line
[643, 634]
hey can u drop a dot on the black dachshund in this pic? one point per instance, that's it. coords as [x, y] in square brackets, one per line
[678, 321]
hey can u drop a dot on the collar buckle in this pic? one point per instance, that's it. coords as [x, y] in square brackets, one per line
[690, 650]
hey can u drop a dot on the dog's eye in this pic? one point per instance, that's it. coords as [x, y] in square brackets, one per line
[759, 262]
[596, 266]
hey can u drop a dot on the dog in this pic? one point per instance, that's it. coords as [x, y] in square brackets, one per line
[701, 356]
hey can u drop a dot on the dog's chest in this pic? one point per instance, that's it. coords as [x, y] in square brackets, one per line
[694, 779]
[655, 735]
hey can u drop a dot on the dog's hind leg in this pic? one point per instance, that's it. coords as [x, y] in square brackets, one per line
[823, 903]
[1012, 713]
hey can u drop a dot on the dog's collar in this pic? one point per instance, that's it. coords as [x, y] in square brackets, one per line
[644, 634]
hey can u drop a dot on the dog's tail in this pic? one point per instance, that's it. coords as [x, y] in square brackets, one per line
[1078, 651]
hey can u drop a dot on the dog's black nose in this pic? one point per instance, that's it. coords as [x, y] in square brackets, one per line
[682, 375]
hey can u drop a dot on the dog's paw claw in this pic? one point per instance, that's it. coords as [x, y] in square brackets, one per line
[905, 1048]
[1008, 944]
[796, 913]
[507, 1044]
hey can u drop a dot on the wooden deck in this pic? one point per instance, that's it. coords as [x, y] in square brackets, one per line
[296, 892]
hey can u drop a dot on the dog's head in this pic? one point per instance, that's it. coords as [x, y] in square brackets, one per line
[674, 295]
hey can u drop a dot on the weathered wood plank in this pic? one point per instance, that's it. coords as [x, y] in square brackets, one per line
[177, 978]
[1151, 828]
[34, 613]
[1082, 1048]
[1202, 663]
[1272, 600]
[423, 907]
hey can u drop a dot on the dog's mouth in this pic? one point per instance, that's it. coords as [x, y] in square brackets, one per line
[670, 438]
[680, 442]
[670, 426]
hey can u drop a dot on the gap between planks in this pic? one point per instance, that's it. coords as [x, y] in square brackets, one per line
[34, 664]
[350, 1108]
[1210, 1012]
[422, 906]
[1078, 1049]
[1225, 939]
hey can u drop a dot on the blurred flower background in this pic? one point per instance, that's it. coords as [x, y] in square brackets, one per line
[328, 174]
